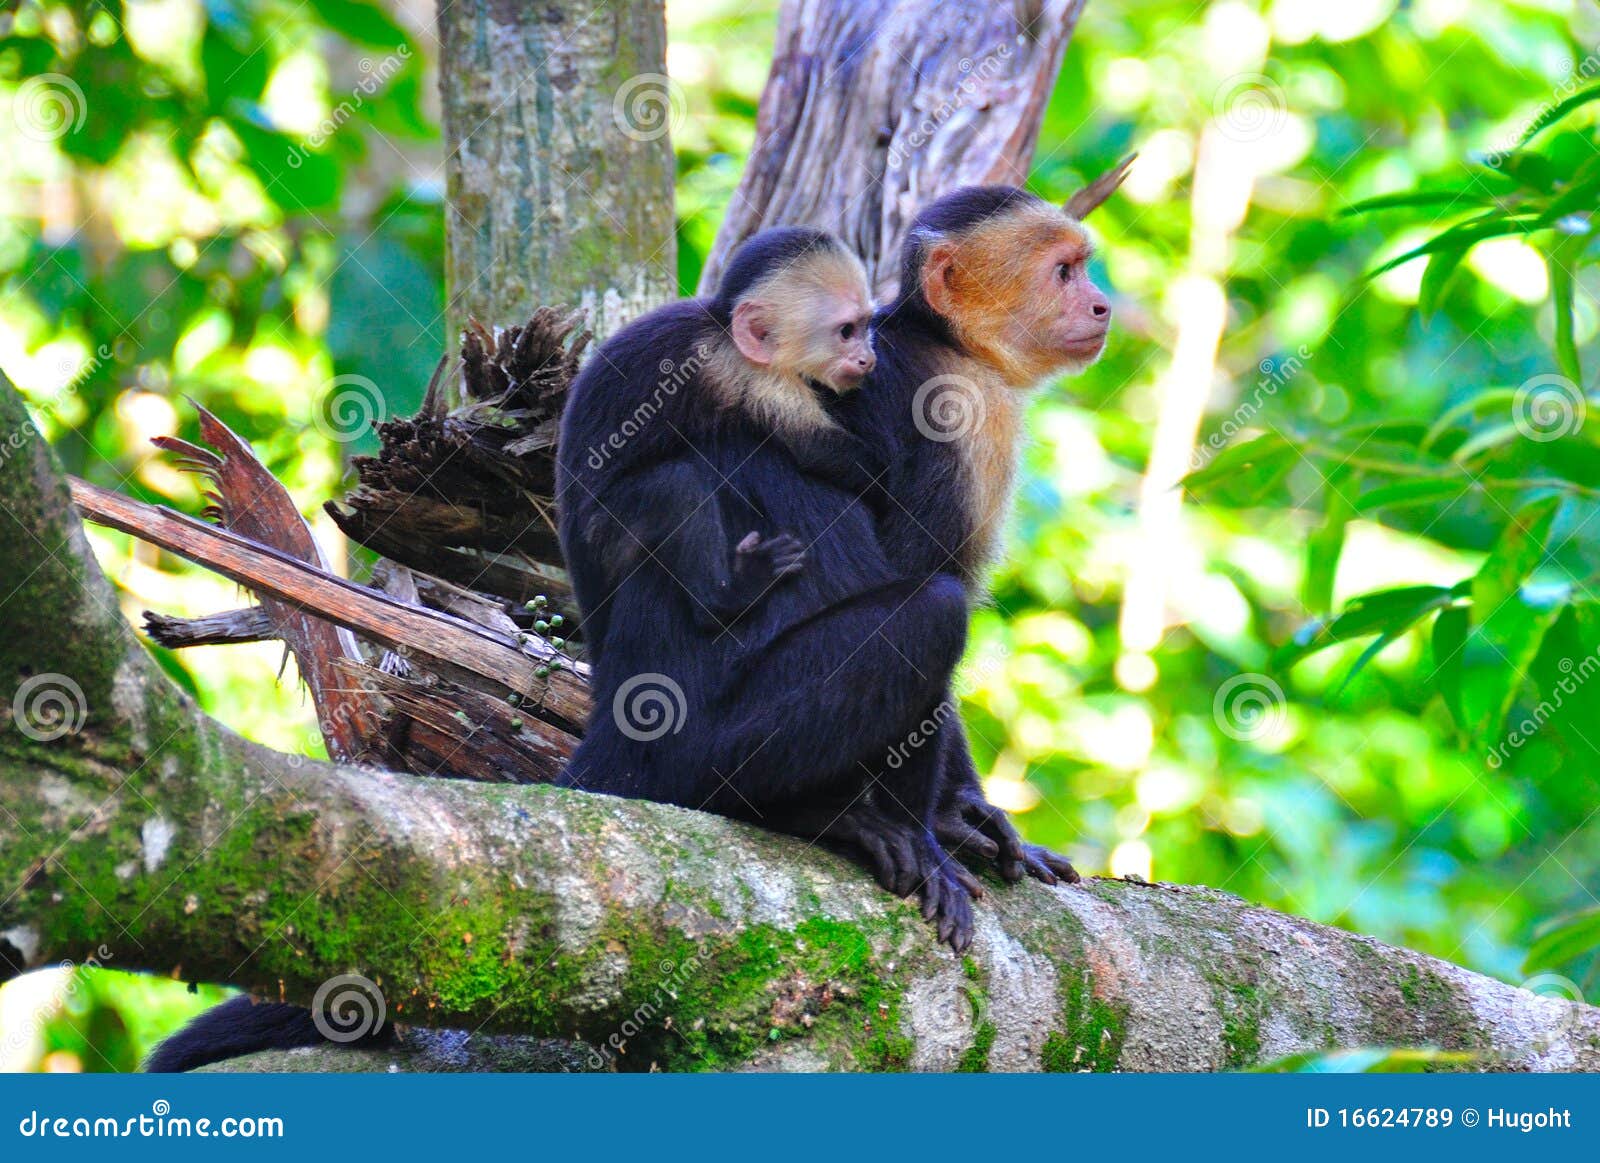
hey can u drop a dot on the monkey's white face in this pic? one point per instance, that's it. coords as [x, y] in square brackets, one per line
[836, 343]
[811, 321]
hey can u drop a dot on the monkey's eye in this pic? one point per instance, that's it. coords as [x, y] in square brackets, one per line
[1063, 271]
[848, 331]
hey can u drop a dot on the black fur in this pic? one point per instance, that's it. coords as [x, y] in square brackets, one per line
[781, 700]
[240, 1026]
[925, 527]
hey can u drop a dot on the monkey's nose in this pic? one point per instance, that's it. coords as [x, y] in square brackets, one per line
[866, 362]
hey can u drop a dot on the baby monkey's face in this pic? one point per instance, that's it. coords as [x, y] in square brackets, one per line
[838, 339]
[812, 320]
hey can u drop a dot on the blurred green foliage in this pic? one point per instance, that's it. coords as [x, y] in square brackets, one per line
[1300, 685]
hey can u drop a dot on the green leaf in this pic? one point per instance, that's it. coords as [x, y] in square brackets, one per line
[1561, 109]
[1560, 262]
[1564, 940]
[1464, 237]
[1489, 438]
[1244, 473]
[294, 177]
[361, 22]
[1449, 640]
[1326, 542]
[1531, 170]
[1437, 278]
[1499, 652]
[1413, 492]
[1498, 398]
[1380, 612]
[1519, 550]
[1467, 197]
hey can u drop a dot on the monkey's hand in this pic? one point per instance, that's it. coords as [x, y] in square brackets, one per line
[758, 561]
[969, 824]
[907, 861]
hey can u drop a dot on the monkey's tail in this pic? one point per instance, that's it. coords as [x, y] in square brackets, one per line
[240, 1026]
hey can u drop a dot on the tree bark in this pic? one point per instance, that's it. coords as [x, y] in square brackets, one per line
[560, 171]
[655, 935]
[887, 106]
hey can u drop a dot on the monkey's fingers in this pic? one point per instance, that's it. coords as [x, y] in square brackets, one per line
[789, 566]
[1043, 864]
[955, 918]
[962, 875]
[913, 868]
[962, 839]
[749, 543]
[995, 824]
[883, 866]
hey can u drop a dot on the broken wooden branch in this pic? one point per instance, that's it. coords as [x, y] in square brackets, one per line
[546, 681]
[229, 628]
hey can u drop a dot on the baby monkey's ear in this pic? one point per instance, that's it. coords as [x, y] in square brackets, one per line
[752, 333]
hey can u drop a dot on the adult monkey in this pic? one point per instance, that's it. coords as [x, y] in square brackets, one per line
[995, 296]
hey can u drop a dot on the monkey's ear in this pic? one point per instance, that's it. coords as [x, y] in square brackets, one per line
[752, 333]
[936, 266]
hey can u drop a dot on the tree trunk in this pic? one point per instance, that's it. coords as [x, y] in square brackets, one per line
[873, 110]
[557, 120]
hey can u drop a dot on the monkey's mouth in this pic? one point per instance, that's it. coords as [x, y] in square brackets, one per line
[1084, 346]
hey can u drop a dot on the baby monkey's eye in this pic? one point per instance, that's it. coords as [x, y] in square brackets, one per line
[1064, 271]
[848, 331]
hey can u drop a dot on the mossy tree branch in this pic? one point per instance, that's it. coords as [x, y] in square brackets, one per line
[695, 942]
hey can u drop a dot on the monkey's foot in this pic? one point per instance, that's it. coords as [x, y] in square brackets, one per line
[946, 897]
[907, 860]
[970, 825]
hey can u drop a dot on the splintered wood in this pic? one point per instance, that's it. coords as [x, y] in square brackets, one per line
[442, 670]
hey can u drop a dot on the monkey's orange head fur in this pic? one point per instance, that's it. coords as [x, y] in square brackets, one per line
[1008, 273]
